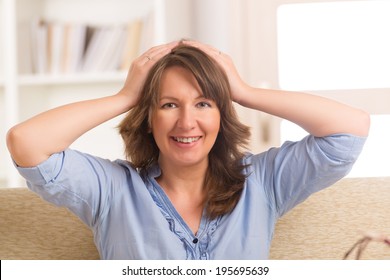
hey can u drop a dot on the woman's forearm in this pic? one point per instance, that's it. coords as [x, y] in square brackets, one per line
[317, 115]
[34, 140]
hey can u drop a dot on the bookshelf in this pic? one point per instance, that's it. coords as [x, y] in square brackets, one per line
[26, 89]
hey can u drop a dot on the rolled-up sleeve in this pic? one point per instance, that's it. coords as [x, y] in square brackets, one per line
[77, 181]
[296, 170]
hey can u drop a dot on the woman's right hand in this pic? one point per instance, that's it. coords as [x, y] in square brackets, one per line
[139, 70]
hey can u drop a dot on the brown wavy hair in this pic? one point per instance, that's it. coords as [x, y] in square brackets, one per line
[225, 176]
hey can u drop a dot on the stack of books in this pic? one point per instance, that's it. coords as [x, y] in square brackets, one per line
[65, 48]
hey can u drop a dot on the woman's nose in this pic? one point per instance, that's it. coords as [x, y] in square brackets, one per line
[187, 119]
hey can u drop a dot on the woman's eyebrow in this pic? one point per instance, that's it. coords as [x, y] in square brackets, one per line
[168, 97]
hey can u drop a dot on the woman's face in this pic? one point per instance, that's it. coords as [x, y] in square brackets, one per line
[184, 124]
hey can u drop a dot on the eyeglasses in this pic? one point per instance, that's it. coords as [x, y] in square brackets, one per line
[362, 243]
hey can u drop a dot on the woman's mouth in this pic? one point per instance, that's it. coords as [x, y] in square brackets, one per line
[186, 140]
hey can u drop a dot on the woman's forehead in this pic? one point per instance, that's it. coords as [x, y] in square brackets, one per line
[178, 79]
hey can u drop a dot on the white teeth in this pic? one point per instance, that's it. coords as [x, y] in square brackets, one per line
[186, 139]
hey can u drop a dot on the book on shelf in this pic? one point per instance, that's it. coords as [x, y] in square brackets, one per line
[56, 47]
[102, 50]
[74, 43]
[39, 46]
[65, 48]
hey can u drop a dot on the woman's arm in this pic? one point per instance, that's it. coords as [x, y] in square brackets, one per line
[33, 141]
[317, 115]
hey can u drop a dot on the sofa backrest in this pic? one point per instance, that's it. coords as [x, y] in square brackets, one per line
[324, 226]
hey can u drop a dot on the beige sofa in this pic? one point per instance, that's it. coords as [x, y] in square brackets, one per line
[323, 227]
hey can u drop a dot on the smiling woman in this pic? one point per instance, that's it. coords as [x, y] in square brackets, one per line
[188, 189]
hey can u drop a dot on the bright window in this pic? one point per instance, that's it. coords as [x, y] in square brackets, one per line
[334, 45]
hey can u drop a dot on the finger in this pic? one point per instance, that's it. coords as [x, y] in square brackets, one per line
[157, 52]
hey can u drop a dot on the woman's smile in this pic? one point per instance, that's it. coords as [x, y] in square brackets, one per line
[187, 140]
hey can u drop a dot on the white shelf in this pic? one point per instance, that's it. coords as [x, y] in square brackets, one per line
[23, 93]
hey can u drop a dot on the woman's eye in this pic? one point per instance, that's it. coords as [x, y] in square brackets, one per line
[168, 105]
[204, 104]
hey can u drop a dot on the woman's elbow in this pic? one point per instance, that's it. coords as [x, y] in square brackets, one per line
[19, 145]
[15, 139]
[363, 123]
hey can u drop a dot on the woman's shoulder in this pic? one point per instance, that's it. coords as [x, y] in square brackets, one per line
[70, 161]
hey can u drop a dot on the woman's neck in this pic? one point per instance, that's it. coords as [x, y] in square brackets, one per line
[184, 186]
[183, 179]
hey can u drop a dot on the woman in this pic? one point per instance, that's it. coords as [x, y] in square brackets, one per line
[188, 190]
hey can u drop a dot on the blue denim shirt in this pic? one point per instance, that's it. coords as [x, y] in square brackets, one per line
[132, 218]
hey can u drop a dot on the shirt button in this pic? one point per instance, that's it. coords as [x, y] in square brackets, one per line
[195, 240]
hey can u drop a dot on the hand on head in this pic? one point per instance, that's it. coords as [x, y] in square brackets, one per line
[140, 68]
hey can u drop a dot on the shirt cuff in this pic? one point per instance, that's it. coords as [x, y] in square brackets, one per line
[44, 172]
[346, 148]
